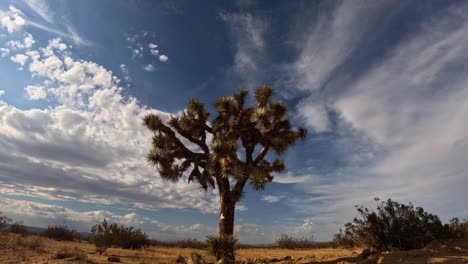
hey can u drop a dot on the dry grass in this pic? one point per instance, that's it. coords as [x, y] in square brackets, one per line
[33, 249]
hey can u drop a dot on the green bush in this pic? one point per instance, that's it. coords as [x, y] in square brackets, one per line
[107, 235]
[221, 246]
[395, 226]
[60, 232]
[289, 242]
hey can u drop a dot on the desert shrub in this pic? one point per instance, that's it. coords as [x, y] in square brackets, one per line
[344, 238]
[188, 243]
[18, 228]
[289, 242]
[457, 228]
[36, 243]
[393, 226]
[4, 221]
[60, 232]
[107, 235]
[18, 242]
[76, 255]
[219, 246]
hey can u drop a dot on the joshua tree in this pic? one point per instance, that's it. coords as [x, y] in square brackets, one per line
[224, 153]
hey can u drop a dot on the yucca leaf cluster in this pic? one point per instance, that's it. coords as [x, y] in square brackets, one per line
[234, 144]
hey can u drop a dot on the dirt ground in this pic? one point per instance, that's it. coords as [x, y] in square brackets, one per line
[32, 249]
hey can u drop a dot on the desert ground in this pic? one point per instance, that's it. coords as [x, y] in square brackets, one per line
[34, 249]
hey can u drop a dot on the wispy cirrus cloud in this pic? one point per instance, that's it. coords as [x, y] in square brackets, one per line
[410, 107]
[272, 198]
[42, 9]
[14, 20]
[247, 31]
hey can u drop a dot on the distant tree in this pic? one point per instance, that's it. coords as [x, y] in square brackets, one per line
[18, 228]
[4, 220]
[60, 232]
[224, 150]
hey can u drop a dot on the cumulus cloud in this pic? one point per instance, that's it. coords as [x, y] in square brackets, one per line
[5, 52]
[154, 52]
[73, 147]
[36, 92]
[27, 43]
[2, 92]
[139, 50]
[20, 59]
[124, 70]
[163, 58]
[42, 215]
[149, 68]
[12, 19]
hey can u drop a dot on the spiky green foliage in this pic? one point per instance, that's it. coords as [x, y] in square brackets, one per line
[107, 235]
[226, 147]
[227, 153]
[219, 246]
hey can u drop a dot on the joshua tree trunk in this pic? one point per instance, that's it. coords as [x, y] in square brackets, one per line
[226, 217]
[226, 221]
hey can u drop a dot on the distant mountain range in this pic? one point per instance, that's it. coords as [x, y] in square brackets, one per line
[41, 230]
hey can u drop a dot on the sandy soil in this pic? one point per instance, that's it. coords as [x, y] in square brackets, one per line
[32, 249]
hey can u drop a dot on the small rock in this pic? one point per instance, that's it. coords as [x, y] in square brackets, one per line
[195, 259]
[181, 260]
[287, 258]
[365, 254]
[113, 258]
[261, 261]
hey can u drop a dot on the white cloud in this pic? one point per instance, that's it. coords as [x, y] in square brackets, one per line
[41, 8]
[331, 40]
[124, 70]
[154, 52]
[410, 107]
[136, 53]
[12, 19]
[248, 32]
[35, 92]
[43, 215]
[2, 92]
[20, 59]
[72, 147]
[28, 41]
[315, 115]
[152, 46]
[5, 52]
[149, 68]
[163, 58]
[272, 198]
[75, 36]
[26, 44]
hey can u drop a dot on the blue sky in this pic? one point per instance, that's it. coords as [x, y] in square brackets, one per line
[381, 86]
